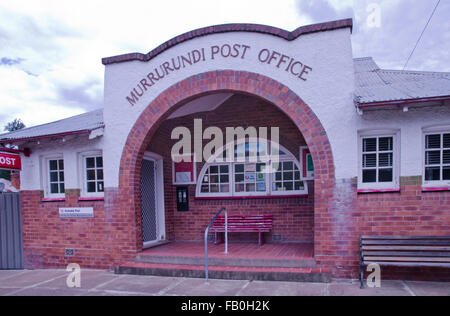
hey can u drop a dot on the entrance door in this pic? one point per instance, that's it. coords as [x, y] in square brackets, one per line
[149, 202]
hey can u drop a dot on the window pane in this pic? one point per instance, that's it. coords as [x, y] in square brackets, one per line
[250, 187]
[61, 164]
[433, 174]
[100, 186]
[433, 158]
[214, 169]
[299, 185]
[225, 188]
[61, 177]
[99, 161]
[100, 174]
[91, 187]
[239, 188]
[288, 176]
[369, 161]
[289, 186]
[278, 176]
[369, 144]
[223, 169]
[224, 179]
[54, 188]
[214, 179]
[289, 165]
[277, 186]
[239, 168]
[446, 140]
[297, 175]
[261, 187]
[446, 173]
[385, 144]
[369, 176]
[61, 188]
[276, 166]
[385, 160]
[239, 178]
[53, 164]
[446, 157]
[53, 176]
[90, 174]
[205, 189]
[433, 141]
[90, 162]
[385, 175]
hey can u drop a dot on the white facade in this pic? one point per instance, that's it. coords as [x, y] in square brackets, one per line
[328, 91]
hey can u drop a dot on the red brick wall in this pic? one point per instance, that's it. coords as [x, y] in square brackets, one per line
[96, 241]
[408, 213]
[293, 217]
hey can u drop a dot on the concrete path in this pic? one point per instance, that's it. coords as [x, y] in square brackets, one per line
[99, 283]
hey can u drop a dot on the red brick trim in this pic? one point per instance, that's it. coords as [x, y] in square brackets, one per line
[221, 81]
[256, 28]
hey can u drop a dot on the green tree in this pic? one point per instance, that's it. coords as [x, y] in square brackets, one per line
[11, 127]
[14, 125]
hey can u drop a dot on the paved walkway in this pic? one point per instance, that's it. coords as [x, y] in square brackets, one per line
[99, 283]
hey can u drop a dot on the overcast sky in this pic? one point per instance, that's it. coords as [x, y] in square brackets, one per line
[50, 51]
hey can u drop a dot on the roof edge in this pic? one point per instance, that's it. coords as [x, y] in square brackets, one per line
[237, 27]
[404, 102]
[34, 138]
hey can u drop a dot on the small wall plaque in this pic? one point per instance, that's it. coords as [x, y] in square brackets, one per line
[76, 212]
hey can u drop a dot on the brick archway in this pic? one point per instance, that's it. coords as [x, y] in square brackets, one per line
[212, 82]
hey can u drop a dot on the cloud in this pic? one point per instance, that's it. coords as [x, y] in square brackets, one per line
[5, 61]
[323, 10]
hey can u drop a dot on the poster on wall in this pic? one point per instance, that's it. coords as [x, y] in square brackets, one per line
[307, 164]
[184, 170]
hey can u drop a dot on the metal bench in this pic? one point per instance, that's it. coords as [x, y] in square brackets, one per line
[243, 224]
[417, 251]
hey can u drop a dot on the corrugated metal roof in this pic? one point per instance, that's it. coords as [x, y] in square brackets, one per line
[80, 123]
[379, 85]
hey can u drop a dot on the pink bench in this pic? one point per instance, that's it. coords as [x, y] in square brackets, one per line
[244, 224]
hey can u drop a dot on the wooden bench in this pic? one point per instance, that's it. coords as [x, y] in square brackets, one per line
[417, 251]
[243, 224]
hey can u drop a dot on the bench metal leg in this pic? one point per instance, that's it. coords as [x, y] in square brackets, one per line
[361, 275]
[260, 239]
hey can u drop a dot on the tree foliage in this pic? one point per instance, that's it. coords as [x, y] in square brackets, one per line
[14, 125]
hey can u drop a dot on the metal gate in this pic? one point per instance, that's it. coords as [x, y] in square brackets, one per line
[148, 195]
[11, 244]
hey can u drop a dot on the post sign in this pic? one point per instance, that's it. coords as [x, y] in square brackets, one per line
[76, 212]
[10, 161]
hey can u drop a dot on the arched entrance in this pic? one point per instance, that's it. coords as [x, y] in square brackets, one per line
[213, 82]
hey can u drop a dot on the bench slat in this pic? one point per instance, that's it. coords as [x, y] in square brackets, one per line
[406, 237]
[405, 242]
[405, 264]
[405, 254]
[407, 259]
[419, 248]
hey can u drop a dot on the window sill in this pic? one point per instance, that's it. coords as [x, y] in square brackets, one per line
[84, 199]
[435, 189]
[250, 197]
[53, 200]
[364, 191]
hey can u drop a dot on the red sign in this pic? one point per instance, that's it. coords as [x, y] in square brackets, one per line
[10, 161]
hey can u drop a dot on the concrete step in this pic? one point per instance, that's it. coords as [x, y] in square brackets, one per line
[223, 261]
[316, 275]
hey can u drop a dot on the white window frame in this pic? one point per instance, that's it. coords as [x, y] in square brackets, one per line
[380, 186]
[46, 170]
[84, 192]
[434, 183]
[269, 178]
